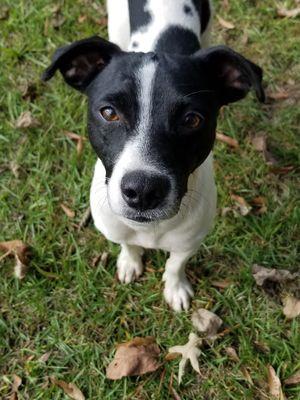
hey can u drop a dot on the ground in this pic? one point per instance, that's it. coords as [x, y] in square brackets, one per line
[79, 312]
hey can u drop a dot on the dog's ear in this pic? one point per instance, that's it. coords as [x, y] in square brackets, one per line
[232, 75]
[81, 61]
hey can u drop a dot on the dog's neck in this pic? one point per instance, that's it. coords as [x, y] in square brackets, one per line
[166, 26]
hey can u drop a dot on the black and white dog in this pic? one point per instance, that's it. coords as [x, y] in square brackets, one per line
[152, 115]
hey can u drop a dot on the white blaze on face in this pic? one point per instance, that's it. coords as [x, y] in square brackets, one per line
[133, 157]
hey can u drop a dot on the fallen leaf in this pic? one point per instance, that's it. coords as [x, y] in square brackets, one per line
[284, 12]
[189, 352]
[279, 94]
[29, 91]
[69, 213]
[78, 139]
[136, 357]
[262, 275]
[221, 284]
[206, 322]
[45, 357]
[225, 24]
[259, 205]
[242, 205]
[291, 307]
[282, 170]
[175, 394]
[232, 354]
[26, 120]
[172, 356]
[259, 142]
[227, 139]
[100, 258]
[260, 346]
[4, 13]
[246, 375]
[293, 380]
[20, 250]
[274, 384]
[17, 382]
[69, 389]
[14, 167]
[86, 217]
[82, 18]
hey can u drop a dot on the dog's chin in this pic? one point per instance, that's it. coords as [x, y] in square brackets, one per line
[146, 218]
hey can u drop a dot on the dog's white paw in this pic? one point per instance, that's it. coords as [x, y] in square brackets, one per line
[129, 268]
[178, 293]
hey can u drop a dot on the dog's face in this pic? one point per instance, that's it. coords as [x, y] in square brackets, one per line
[152, 117]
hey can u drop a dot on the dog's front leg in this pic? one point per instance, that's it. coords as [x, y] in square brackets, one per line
[178, 290]
[129, 263]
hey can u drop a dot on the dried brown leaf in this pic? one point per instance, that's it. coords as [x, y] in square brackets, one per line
[260, 346]
[26, 120]
[4, 12]
[136, 357]
[247, 375]
[175, 394]
[70, 389]
[225, 24]
[262, 275]
[206, 322]
[20, 250]
[293, 380]
[232, 354]
[291, 307]
[45, 357]
[14, 167]
[69, 213]
[279, 94]
[221, 284]
[285, 13]
[259, 142]
[86, 217]
[242, 205]
[82, 18]
[78, 139]
[259, 205]
[227, 140]
[17, 382]
[282, 170]
[275, 389]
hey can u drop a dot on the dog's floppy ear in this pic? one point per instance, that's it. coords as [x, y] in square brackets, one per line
[232, 75]
[81, 61]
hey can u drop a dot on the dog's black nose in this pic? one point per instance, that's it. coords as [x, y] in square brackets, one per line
[144, 190]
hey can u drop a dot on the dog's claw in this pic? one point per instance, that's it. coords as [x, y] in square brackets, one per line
[178, 293]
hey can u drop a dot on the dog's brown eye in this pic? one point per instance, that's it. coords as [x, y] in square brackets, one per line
[109, 114]
[192, 120]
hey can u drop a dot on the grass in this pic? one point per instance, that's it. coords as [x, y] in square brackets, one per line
[80, 316]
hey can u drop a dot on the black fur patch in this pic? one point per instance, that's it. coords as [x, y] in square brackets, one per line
[177, 40]
[203, 9]
[137, 15]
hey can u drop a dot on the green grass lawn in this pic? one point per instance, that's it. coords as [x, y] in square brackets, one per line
[79, 312]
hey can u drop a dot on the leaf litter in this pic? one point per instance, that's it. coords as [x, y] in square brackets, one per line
[70, 389]
[136, 357]
[20, 251]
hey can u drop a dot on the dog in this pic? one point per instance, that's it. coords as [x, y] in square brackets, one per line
[154, 93]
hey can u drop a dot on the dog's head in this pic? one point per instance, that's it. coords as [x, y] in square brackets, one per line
[152, 117]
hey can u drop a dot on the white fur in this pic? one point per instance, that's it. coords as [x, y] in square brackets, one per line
[182, 234]
[118, 22]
